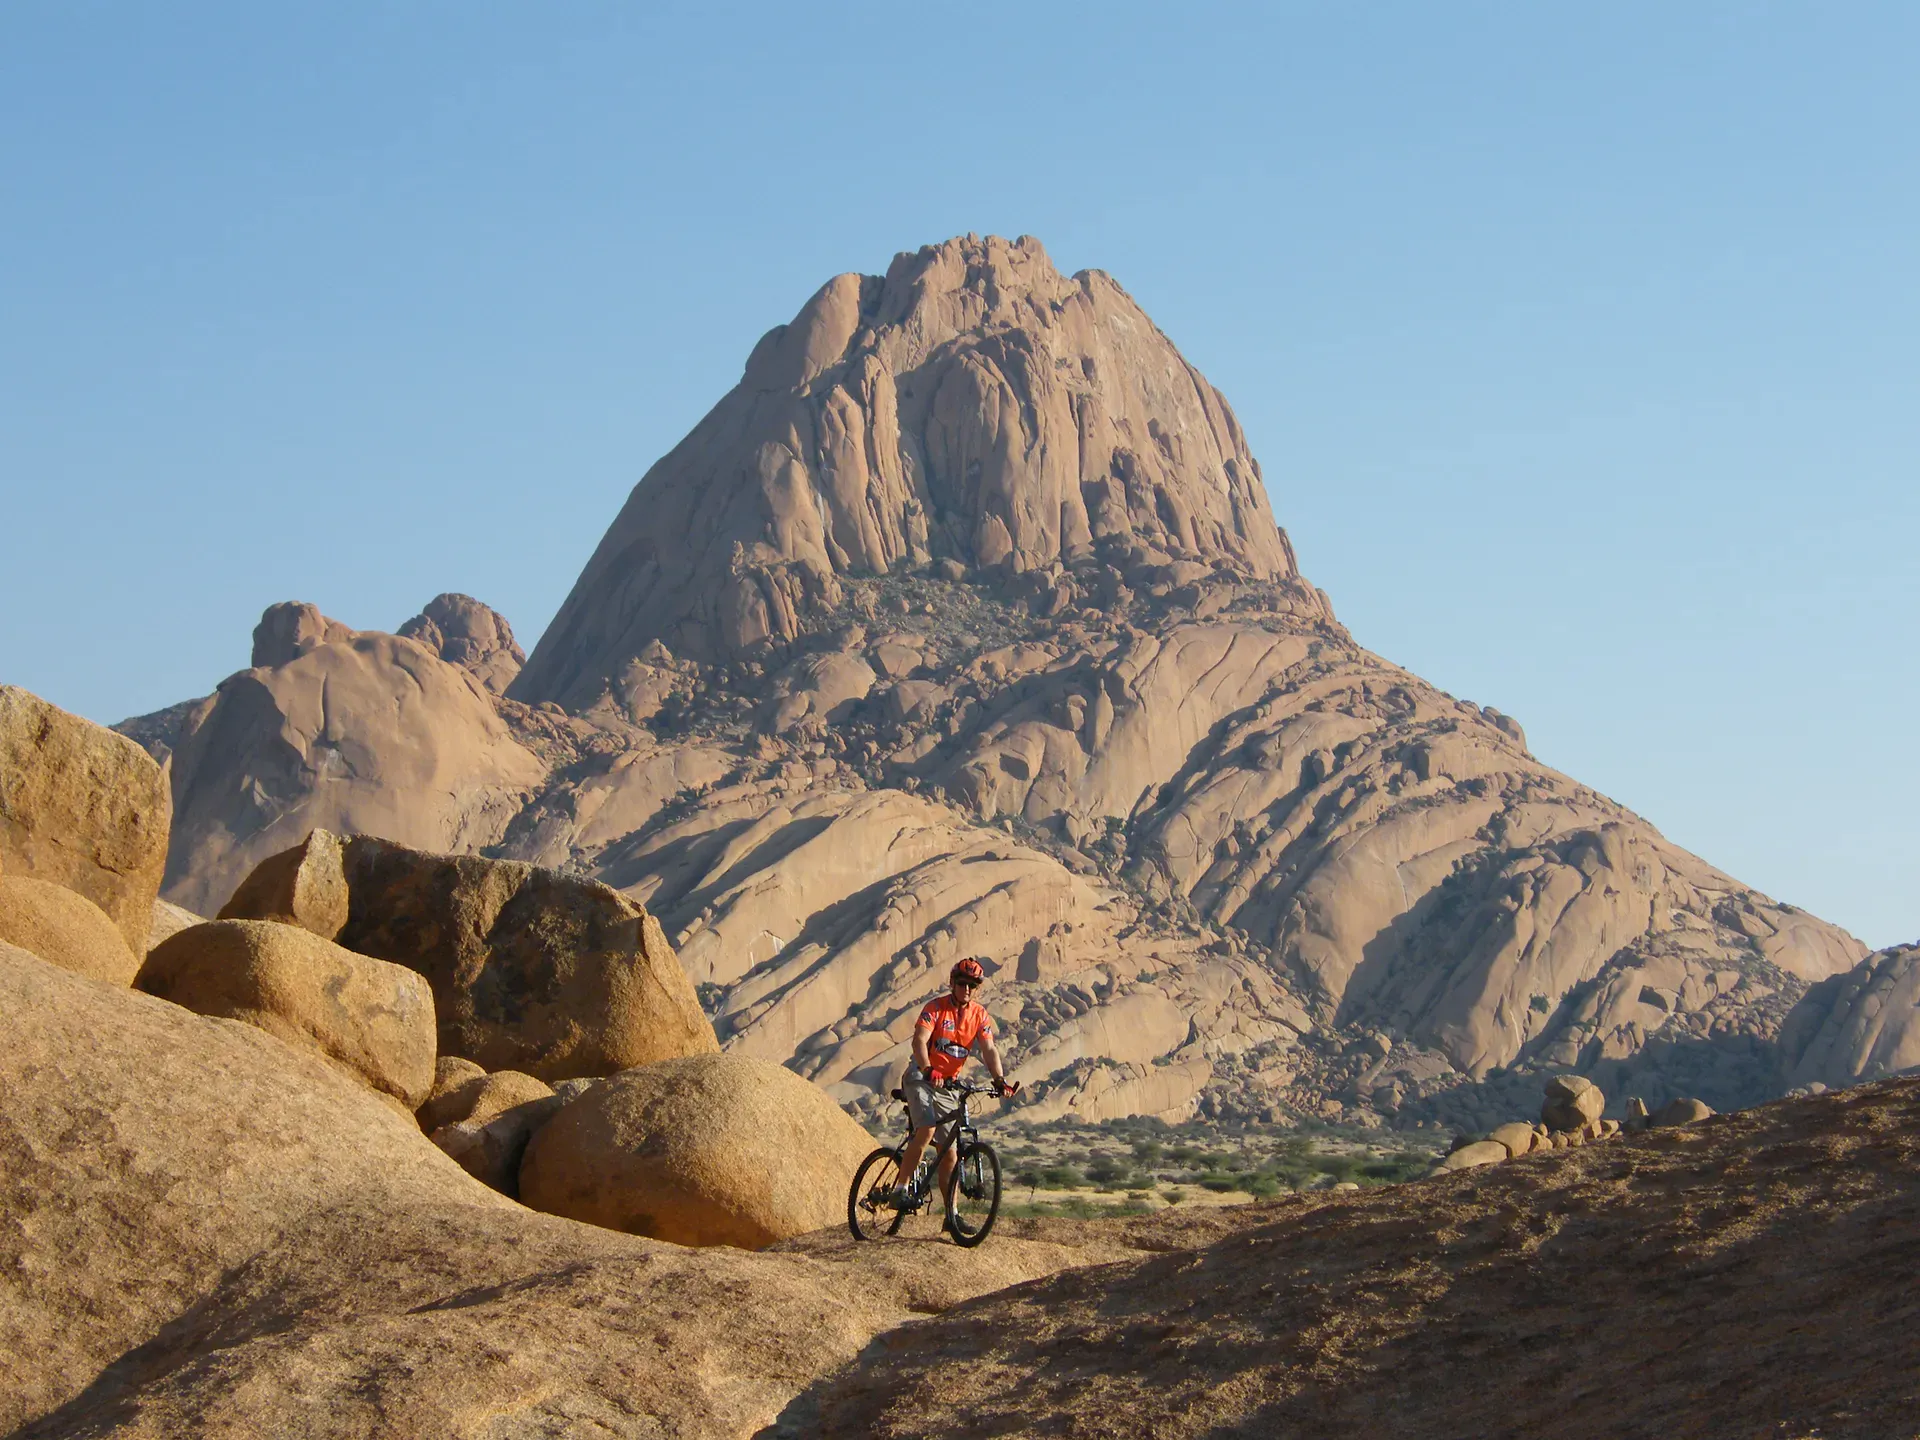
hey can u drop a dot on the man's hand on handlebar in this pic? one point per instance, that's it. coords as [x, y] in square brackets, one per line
[1003, 1088]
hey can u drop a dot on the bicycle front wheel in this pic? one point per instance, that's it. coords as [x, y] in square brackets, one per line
[975, 1197]
[870, 1212]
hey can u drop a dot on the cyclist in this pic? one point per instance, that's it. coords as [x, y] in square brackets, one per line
[943, 1037]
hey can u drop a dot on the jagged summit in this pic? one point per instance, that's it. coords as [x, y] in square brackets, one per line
[973, 405]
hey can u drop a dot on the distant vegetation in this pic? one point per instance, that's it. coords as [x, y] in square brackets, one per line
[1136, 1159]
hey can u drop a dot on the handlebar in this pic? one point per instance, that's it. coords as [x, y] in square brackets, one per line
[969, 1087]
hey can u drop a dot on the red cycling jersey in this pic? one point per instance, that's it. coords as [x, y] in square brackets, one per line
[952, 1031]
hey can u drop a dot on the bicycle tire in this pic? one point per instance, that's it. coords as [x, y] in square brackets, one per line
[971, 1216]
[870, 1217]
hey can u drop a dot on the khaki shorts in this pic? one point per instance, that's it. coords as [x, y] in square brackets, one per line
[926, 1105]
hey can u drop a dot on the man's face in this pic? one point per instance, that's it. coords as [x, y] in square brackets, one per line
[963, 989]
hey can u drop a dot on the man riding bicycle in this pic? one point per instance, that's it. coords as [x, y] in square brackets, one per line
[943, 1037]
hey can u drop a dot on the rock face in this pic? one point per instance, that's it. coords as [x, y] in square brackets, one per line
[64, 929]
[972, 404]
[203, 1232]
[365, 733]
[83, 808]
[372, 1019]
[709, 1150]
[962, 625]
[463, 632]
[531, 970]
[1857, 1026]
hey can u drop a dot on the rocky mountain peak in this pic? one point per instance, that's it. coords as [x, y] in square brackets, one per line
[476, 637]
[972, 408]
[290, 629]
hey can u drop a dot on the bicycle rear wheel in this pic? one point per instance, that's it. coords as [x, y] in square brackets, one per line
[975, 1199]
[870, 1212]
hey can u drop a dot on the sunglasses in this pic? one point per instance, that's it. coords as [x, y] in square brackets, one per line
[970, 984]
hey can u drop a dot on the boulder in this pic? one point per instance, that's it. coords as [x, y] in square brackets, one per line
[1684, 1111]
[705, 1150]
[450, 1071]
[490, 1146]
[372, 1019]
[477, 1099]
[1517, 1136]
[169, 920]
[1572, 1101]
[64, 928]
[1637, 1117]
[532, 970]
[1480, 1152]
[304, 886]
[82, 807]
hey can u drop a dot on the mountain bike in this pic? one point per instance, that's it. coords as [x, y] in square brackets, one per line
[973, 1199]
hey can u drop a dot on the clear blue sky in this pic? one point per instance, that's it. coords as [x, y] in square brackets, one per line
[1580, 344]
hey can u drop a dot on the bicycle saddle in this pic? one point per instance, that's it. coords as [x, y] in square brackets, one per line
[899, 1094]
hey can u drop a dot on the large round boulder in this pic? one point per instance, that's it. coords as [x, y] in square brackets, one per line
[84, 808]
[65, 929]
[704, 1150]
[372, 1019]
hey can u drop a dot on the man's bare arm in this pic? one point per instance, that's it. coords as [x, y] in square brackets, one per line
[921, 1034]
[990, 1053]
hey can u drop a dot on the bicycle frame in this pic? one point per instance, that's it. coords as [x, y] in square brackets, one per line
[960, 1127]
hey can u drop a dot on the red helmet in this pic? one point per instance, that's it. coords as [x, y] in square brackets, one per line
[968, 969]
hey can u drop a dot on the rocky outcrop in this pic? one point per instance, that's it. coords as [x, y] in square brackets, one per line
[463, 632]
[204, 1232]
[531, 970]
[291, 629]
[972, 404]
[65, 929]
[372, 1019]
[709, 1150]
[1859, 1026]
[83, 808]
[1750, 1276]
[369, 734]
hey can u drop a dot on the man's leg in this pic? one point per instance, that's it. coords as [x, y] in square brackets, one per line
[949, 1157]
[910, 1158]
